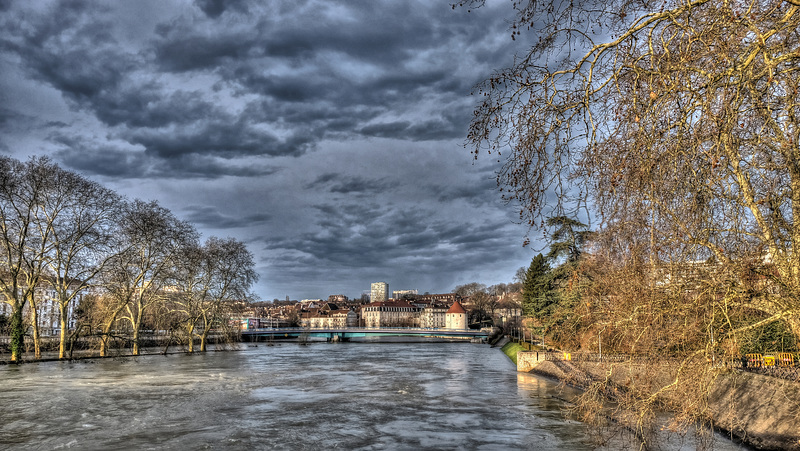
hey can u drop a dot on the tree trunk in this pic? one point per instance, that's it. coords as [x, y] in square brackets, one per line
[105, 336]
[190, 333]
[135, 337]
[107, 330]
[17, 334]
[204, 335]
[136, 325]
[37, 350]
[204, 339]
[62, 339]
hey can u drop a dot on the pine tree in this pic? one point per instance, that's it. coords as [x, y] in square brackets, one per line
[536, 286]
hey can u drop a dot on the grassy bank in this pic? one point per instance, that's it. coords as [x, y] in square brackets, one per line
[511, 349]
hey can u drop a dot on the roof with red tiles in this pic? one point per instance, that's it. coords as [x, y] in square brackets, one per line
[456, 308]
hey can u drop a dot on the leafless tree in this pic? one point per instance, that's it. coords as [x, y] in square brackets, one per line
[208, 277]
[25, 244]
[141, 273]
[674, 125]
[79, 218]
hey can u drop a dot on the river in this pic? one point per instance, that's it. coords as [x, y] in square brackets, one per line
[368, 396]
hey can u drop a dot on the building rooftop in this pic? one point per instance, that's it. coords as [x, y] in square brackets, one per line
[456, 308]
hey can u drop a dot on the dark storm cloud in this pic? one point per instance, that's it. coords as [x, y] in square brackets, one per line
[71, 49]
[106, 160]
[212, 217]
[181, 48]
[411, 249]
[328, 132]
[219, 138]
[152, 106]
[356, 234]
[112, 159]
[386, 130]
[337, 183]
[215, 8]
[480, 191]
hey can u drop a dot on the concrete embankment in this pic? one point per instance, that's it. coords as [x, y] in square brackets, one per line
[759, 410]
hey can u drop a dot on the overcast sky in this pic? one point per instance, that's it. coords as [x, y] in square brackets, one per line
[327, 135]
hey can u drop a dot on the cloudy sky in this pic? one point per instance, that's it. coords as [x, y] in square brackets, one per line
[327, 135]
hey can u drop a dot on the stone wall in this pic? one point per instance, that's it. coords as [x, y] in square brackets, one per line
[528, 360]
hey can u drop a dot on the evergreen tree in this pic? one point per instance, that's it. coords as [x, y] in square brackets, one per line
[568, 238]
[536, 286]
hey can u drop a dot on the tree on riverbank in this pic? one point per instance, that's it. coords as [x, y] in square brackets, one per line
[82, 234]
[209, 277]
[676, 125]
[70, 245]
[154, 238]
[23, 187]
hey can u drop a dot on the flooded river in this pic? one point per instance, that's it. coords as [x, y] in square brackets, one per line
[369, 396]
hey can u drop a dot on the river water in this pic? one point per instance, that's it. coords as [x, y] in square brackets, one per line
[368, 396]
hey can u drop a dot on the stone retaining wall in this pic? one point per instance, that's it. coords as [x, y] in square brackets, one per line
[762, 411]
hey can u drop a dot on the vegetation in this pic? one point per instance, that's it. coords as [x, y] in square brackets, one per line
[674, 126]
[117, 267]
[511, 349]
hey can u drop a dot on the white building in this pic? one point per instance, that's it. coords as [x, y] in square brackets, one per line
[379, 292]
[390, 314]
[433, 317]
[456, 317]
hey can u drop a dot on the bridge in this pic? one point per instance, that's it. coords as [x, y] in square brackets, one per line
[345, 334]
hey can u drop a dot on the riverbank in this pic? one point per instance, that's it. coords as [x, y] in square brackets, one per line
[760, 411]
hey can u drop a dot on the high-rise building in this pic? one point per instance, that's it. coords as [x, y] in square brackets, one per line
[379, 292]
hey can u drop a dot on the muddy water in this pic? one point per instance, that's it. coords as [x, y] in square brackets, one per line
[370, 396]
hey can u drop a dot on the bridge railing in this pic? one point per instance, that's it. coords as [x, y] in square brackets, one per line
[356, 329]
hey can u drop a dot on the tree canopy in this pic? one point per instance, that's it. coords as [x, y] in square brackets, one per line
[675, 124]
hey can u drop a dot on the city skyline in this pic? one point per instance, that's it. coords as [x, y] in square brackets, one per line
[327, 136]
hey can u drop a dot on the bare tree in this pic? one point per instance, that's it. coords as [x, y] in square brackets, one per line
[233, 275]
[78, 218]
[192, 278]
[469, 289]
[24, 248]
[208, 277]
[141, 273]
[675, 125]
